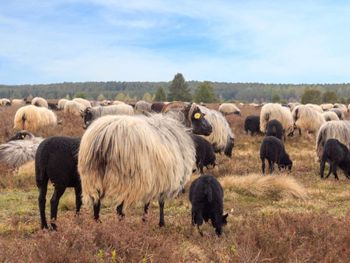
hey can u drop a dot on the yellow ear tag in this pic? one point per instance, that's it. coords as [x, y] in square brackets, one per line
[197, 116]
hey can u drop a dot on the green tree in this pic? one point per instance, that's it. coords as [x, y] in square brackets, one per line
[276, 98]
[329, 97]
[147, 97]
[80, 95]
[179, 90]
[160, 95]
[101, 97]
[122, 96]
[311, 96]
[205, 93]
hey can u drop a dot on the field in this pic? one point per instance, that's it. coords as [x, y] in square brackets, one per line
[263, 226]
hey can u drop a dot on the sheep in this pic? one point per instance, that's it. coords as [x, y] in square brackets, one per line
[252, 124]
[105, 103]
[117, 102]
[18, 102]
[135, 158]
[339, 113]
[206, 196]
[53, 106]
[32, 118]
[56, 160]
[330, 116]
[339, 130]
[274, 128]
[157, 107]
[205, 154]
[91, 114]
[74, 108]
[19, 149]
[5, 102]
[292, 105]
[336, 154]
[307, 119]
[222, 137]
[229, 108]
[40, 102]
[143, 106]
[61, 103]
[273, 150]
[272, 111]
[85, 102]
[315, 107]
[341, 107]
[326, 106]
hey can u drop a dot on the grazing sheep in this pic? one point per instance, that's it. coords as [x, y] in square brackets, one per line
[157, 107]
[341, 107]
[275, 111]
[307, 119]
[222, 137]
[273, 150]
[19, 149]
[326, 106]
[336, 154]
[135, 158]
[85, 102]
[56, 160]
[339, 130]
[274, 128]
[206, 197]
[315, 107]
[91, 114]
[40, 102]
[339, 113]
[229, 108]
[18, 102]
[330, 116]
[205, 154]
[33, 119]
[252, 124]
[5, 102]
[61, 103]
[143, 106]
[74, 108]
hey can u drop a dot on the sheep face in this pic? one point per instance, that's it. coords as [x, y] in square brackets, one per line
[285, 163]
[218, 225]
[21, 135]
[199, 124]
[87, 116]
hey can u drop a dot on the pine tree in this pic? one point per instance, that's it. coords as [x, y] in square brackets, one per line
[179, 90]
[205, 93]
[160, 95]
[311, 96]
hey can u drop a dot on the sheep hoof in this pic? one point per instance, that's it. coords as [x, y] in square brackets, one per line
[98, 220]
[161, 224]
[144, 218]
[53, 227]
[121, 217]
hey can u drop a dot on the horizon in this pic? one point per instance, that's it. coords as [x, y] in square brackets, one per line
[266, 42]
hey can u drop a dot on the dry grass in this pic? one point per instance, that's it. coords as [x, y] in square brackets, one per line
[279, 218]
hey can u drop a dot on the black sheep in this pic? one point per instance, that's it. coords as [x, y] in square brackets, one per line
[157, 107]
[229, 147]
[252, 124]
[336, 154]
[56, 160]
[205, 154]
[52, 106]
[273, 150]
[274, 128]
[206, 197]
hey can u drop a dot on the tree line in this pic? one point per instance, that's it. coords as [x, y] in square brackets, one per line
[180, 89]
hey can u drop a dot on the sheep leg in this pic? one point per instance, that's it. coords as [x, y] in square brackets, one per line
[161, 212]
[145, 212]
[322, 166]
[119, 210]
[58, 192]
[200, 231]
[263, 166]
[97, 207]
[330, 170]
[335, 171]
[78, 198]
[270, 166]
[42, 202]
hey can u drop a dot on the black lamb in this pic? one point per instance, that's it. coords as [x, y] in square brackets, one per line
[252, 125]
[56, 160]
[205, 154]
[336, 154]
[273, 150]
[206, 197]
[274, 128]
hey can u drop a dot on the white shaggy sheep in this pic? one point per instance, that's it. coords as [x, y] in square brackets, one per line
[326, 106]
[32, 118]
[61, 103]
[229, 108]
[339, 130]
[330, 116]
[5, 102]
[307, 119]
[340, 113]
[341, 107]
[74, 108]
[40, 102]
[275, 111]
[18, 102]
[135, 159]
[85, 102]
[143, 106]
[292, 105]
[315, 107]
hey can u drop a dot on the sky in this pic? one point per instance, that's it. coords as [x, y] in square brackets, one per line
[296, 41]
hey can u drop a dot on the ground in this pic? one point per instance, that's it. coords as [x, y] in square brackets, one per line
[262, 227]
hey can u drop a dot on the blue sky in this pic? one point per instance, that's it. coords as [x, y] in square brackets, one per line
[47, 41]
